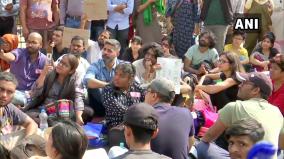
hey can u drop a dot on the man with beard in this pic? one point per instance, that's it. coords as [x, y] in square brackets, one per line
[94, 51]
[11, 117]
[202, 54]
[26, 64]
[100, 73]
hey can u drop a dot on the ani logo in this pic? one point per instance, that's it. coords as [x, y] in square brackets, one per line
[248, 23]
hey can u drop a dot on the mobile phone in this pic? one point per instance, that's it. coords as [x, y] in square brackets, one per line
[49, 58]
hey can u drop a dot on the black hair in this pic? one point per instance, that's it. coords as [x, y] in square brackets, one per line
[136, 39]
[7, 76]
[106, 31]
[246, 127]
[69, 140]
[278, 60]
[239, 32]
[270, 36]
[155, 47]
[142, 135]
[211, 38]
[75, 38]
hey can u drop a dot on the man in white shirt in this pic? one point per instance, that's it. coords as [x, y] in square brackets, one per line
[118, 20]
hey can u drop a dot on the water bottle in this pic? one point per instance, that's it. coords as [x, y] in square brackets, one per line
[43, 120]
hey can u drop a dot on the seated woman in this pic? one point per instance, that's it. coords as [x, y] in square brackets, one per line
[67, 140]
[146, 67]
[225, 91]
[132, 53]
[260, 57]
[55, 84]
[277, 77]
[8, 42]
[120, 94]
[168, 49]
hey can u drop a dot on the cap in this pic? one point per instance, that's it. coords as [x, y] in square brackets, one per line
[140, 115]
[163, 86]
[260, 79]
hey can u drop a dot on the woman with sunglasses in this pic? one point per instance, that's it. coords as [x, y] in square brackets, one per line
[277, 76]
[226, 89]
[60, 83]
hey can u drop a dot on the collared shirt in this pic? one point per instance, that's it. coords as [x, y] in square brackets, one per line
[4, 12]
[70, 7]
[26, 72]
[116, 18]
[99, 71]
[116, 102]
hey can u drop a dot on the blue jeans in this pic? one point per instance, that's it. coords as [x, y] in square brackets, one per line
[72, 23]
[211, 151]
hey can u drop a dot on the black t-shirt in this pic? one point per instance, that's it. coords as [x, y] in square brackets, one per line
[127, 56]
[56, 54]
[220, 99]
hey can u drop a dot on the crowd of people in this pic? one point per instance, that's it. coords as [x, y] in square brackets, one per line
[112, 77]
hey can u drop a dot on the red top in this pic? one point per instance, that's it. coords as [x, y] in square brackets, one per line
[277, 98]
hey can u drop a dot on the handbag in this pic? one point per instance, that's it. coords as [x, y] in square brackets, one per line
[60, 109]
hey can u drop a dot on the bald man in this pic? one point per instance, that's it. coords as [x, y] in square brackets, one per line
[26, 64]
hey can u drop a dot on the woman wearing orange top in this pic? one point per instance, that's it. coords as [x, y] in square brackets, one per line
[8, 43]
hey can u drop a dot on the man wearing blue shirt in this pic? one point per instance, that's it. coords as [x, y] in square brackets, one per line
[100, 74]
[118, 20]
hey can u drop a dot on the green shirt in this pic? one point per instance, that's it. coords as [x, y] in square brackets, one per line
[196, 57]
[267, 115]
[215, 15]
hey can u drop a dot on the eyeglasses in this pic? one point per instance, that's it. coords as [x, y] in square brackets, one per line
[63, 64]
[222, 61]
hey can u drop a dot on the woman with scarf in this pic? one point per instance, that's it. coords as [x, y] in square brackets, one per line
[184, 16]
[146, 19]
[8, 42]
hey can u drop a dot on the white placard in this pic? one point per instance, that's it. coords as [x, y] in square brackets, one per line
[171, 70]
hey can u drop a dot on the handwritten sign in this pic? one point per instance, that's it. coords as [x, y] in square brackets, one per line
[69, 33]
[171, 70]
[95, 9]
